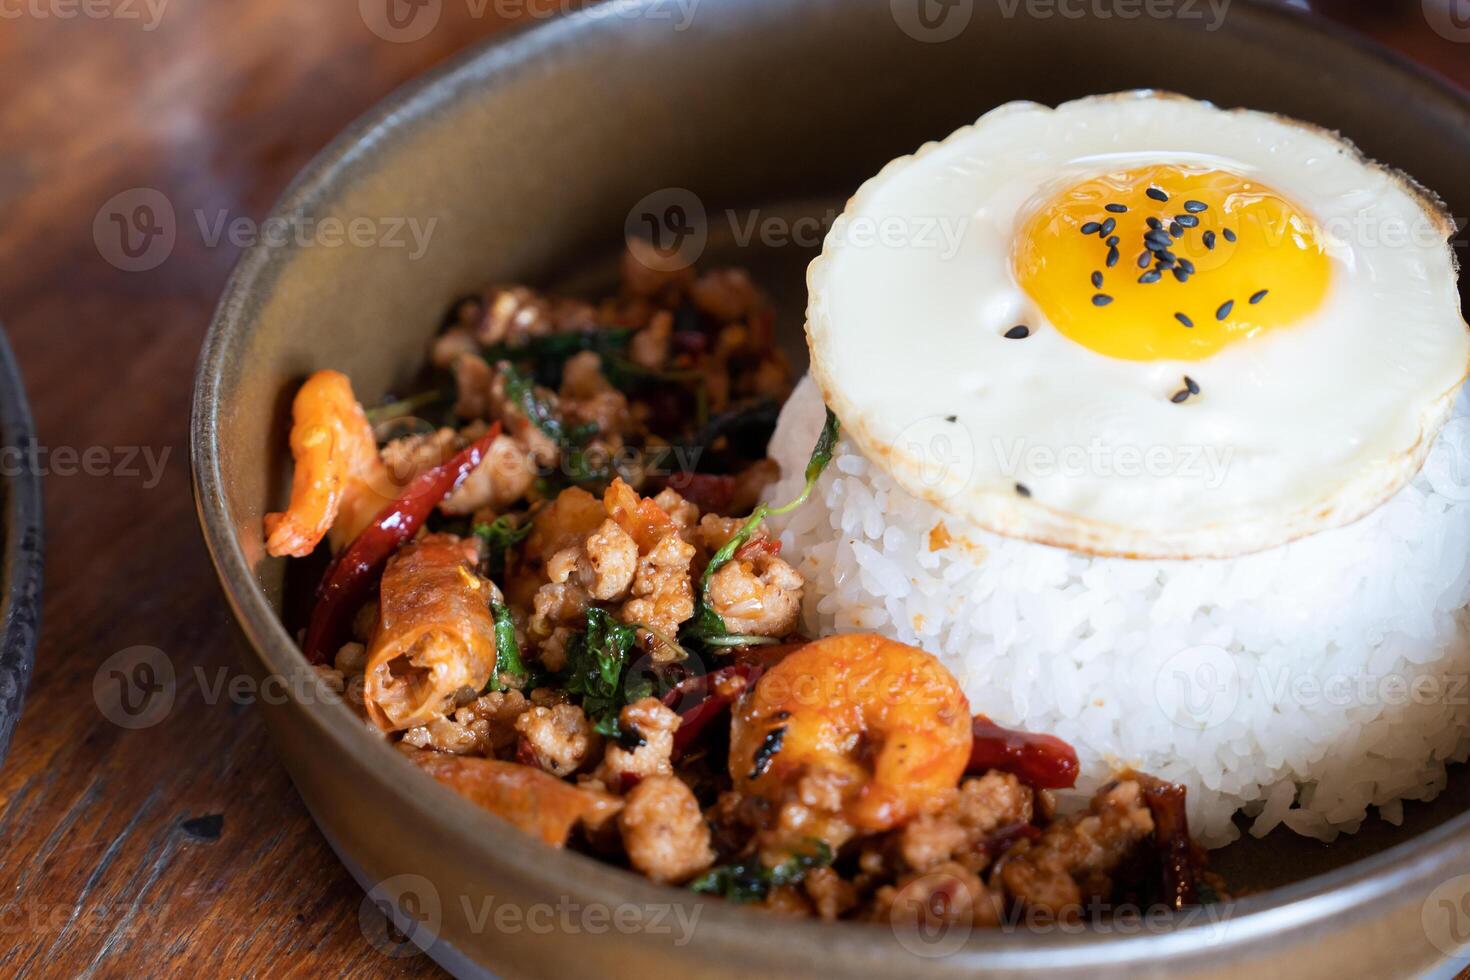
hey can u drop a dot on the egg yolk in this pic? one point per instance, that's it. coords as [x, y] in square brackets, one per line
[1171, 262]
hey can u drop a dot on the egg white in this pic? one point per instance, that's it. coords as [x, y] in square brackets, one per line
[1297, 430]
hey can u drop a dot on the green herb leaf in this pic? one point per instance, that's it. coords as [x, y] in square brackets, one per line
[500, 536]
[508, 661]
[707, 626]
[556, 348]
[596, 660]
[521, 390]
[752, 882]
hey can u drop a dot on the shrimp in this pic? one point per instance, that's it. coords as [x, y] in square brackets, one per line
[884, 724]
[340, 482]
[531, 800]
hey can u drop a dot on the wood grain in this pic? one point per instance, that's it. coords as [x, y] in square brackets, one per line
[104, 866]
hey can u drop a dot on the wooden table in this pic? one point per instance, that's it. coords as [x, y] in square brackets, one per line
[181, 847]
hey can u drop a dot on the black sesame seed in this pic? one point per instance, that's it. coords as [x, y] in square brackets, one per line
[1019, 332]
[1225, 309]
[1187, 220]
[1229, 235]
[1166, 258]
[951, 418]
[1023, 490]
[1180, 396]
[1116, 208]
[1112, 241]
[1184, 319]
[1187, 266]
[1112, 256]
[1152, 275]
[1097, 279]
[1157, 194]
[1155, 224]
[1176, 229]
[1091, 228]
[1259, 296]
[1196, 207]
[1107, 227]
[1157, 240]
[1210, 240]
[1145, 259]
[1101, 299]
[1180, 274]
[1191, 384]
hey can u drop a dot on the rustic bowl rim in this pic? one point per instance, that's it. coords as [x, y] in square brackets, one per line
[1340, 896]
[21, 547]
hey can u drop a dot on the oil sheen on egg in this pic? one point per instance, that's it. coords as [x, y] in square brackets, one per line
[1141, 325]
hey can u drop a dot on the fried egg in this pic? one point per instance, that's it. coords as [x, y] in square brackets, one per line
[1141, 325]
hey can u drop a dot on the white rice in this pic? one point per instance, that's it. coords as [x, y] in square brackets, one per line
[1301, 686]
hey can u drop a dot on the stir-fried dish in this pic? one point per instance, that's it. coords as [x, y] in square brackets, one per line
[562, 601]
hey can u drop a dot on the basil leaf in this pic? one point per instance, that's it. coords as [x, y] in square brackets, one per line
[596, 660]
[500, 536]
[508, 661]
[752, 882]
[707, 626]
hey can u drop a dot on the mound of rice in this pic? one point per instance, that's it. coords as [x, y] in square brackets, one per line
[1302, 685]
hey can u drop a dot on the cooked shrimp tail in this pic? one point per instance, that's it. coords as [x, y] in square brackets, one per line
[337, 469]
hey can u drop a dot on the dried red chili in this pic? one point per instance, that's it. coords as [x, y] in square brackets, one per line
[352, 574]
[1039, 761]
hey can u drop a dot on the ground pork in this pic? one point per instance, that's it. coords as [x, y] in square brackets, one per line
[725, 295]
[647, 746]
[1070, 865]
[560, 737]
[759, 596]
[830, 895]
[947, 895]
[503, 477]
[664, 832]
[650, 346]
[486, 726]
[960, 830]
[663, 592]
[587, 398]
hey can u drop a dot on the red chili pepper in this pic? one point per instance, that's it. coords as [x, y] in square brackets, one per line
[761, 544]
[1039, 761]
[351, 576]
[713, 492]
[711, 704]
[1179, 863]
